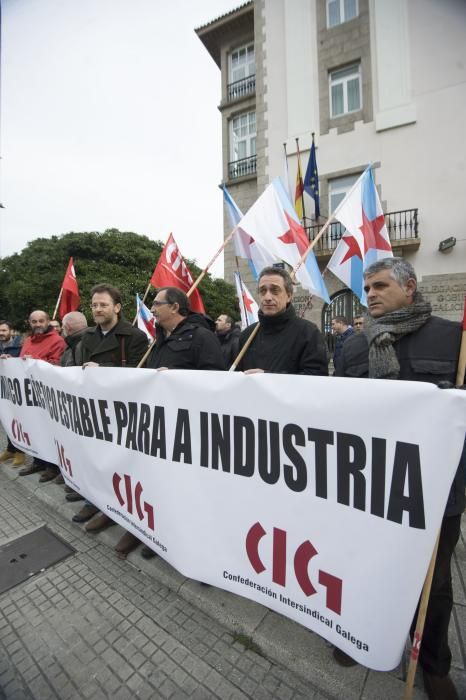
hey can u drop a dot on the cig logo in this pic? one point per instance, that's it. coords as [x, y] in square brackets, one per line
[302, 557]
[19, 434]
[65, 463]
[133, 496]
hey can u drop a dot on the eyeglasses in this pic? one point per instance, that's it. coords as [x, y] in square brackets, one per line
[160, 303]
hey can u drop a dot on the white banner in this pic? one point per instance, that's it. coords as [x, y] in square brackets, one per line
[318, 497]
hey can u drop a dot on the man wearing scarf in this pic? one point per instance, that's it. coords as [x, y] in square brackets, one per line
[284, 344]
[402, 340]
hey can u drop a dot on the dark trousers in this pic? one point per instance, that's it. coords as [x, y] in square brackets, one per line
[45, 465]
[10, 447]
[435, 654]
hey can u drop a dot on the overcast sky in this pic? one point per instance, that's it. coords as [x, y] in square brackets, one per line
[109, 119]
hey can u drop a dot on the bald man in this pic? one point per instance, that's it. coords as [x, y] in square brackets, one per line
[44, 343]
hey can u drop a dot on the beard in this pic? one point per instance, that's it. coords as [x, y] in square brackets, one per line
[39, 331]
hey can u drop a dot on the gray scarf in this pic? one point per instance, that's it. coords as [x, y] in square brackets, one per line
[383, 332]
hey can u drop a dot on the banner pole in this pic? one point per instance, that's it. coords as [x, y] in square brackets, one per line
[421, 618]
[57, 304]
[143, 301]
[244, 349]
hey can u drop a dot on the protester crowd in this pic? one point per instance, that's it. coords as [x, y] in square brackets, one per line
[398, 339]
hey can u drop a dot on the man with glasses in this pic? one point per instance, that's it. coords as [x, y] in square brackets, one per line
[183, 341]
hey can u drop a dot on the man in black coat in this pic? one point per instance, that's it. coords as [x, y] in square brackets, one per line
[184, 340]
[113, 342]
[228, 336]
[402, 340]
[284, 344]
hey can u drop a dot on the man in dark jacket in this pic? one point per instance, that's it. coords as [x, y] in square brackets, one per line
[113, 342]
[74, 326]
[342, 331]
[10, 346]
[228, 336]
[284, 343]
[183, 339]
[402, 340]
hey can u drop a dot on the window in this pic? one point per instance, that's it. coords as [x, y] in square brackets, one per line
[345, 90]
[243, 136]
[339, 11]
[242, 63]
[242, 145]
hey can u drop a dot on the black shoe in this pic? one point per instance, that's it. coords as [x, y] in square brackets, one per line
[32, 469]
[85, 514]
[147, 553]
[439, 687]
[73, 497]
[49, 475]
[342, 658]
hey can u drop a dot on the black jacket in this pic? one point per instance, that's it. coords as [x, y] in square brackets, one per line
[123, 346]
[285, 344]
[229, 343]
[72, 355]
[430, 354]
[190, 346]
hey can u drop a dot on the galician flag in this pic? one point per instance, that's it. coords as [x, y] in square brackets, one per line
[146, 321]
[273, 224]
[247, 304]
[366, 238]
[245, 246]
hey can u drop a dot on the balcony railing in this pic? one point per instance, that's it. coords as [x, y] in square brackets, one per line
[240, 168]
[401, 226]
[241, 88]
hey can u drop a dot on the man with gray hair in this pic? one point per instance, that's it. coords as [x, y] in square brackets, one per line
[402, 340]
[74, 326]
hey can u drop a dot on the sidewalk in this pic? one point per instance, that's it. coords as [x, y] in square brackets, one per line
[94, 627]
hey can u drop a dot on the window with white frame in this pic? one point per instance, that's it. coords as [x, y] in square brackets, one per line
[242, 63]
[339, 11]
[345, 90]
[243, 136]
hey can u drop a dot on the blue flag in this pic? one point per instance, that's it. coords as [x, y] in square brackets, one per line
[311, 179]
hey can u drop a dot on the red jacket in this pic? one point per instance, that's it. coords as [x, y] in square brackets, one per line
[47, 346]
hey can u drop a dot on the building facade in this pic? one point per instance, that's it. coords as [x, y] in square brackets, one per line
[380, 81]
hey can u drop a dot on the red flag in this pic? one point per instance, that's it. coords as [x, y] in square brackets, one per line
[171, 271]
[70, 299]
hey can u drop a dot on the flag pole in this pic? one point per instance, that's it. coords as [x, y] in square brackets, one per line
[146, 354]
[313, 133]
[57, 304]
[244, 349]
[210, 263]
[301, 173]
[420, 622]
[242, 290]
[143, 301]
[462, 356]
